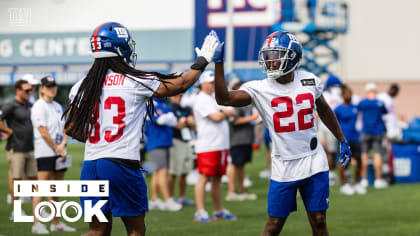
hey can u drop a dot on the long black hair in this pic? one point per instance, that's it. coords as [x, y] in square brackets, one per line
[83, 111]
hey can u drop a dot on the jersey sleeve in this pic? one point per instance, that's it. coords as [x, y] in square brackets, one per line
[147, 85]
[319, 87]
[247, 87]
[39, 116]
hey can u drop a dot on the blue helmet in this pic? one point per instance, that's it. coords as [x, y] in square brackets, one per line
[280, 54]
[113, 39]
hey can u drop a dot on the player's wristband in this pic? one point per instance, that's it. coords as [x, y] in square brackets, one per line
[200, 64]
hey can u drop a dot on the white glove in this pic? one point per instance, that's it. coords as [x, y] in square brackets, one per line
[168, 119]
[208, 48]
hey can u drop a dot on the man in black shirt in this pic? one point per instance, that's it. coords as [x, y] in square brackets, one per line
[19, 147]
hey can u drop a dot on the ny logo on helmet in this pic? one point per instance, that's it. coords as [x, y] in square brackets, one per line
[121, 32]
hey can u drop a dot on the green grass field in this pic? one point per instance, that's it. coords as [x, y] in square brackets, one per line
[393, 211]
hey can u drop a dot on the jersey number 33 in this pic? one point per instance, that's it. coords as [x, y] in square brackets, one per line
[117, 120]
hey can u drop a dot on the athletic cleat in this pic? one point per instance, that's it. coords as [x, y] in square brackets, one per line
[39, 228]
[265, 174]
[359, 189]
[232, 196]
[224, 214]
[202, 216]
[9, 199]
[380, 183]
[61, 227]
[171, 205]
[247, 182]
[156, 204]
[347, 189]
[185, 201]
[364, 182]
[248, 196]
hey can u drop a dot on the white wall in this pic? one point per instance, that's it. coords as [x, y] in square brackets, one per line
[84, 15]
[383, 41]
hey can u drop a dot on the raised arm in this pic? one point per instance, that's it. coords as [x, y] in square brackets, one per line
[237, 98]
[181, 83]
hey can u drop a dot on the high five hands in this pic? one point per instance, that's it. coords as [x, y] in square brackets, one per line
[212, 49]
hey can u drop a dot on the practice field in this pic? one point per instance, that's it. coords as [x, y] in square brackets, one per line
[393, 211]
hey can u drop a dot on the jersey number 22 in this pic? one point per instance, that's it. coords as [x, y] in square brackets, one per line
[290, 127]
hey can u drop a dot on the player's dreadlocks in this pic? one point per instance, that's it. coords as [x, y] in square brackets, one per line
[83, 111]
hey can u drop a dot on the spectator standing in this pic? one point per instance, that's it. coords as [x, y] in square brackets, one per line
[373, 129]
[212, 148]
[393, 130]
[347, 114]
[332, 95]
[241, 140]
[35, 83]
[181, 153]
[50, 145]
[19, 147]
[159, 140]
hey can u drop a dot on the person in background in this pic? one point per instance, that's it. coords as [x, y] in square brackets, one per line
[181, 153]
[35, 83]
[264, 174]
[241, 140]
[332, 95]
[19, 130]
[113, 81]
[212, 148]
[347, 114]
[159, 140]
[373, 130]
[50, 145]
[393, 131]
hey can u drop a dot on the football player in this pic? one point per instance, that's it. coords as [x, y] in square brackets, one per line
[107, 112]
[287, 101]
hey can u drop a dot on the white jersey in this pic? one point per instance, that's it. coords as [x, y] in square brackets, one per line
[211, 136]
[47, 115]
[287, 110]
[393, 130]
[117, 131]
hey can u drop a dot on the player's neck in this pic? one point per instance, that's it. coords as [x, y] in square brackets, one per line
[285, 79]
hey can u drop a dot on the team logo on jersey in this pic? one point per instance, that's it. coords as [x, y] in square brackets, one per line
[308, 82]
